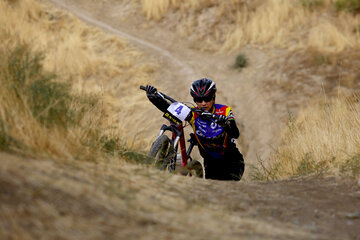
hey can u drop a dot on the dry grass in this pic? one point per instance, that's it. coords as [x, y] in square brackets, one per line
[323, 139]
[230, 25]
[73, 49]
[41, 116]
[89, 60]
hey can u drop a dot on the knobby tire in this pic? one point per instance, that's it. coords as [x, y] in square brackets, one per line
[162, 150]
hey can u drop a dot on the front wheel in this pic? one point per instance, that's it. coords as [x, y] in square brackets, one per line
[162, 150]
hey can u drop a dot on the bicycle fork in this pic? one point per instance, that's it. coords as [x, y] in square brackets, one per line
[178, 138]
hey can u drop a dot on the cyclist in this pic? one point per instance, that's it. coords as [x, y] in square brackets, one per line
[222, 159]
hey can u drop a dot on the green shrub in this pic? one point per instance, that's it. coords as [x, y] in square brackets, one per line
[114, 146]
[4, 138]
[321, 59]
[110, 145]
[48, 100]
[240, 62]
[6, 141]
[351, 166]
[352, 6]
[311, 4]
[308, 166]
[260, 172]
[136, 157]
[52, 103]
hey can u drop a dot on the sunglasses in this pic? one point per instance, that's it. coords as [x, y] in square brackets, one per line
[206, 99]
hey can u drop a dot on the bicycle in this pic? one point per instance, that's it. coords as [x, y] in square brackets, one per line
[164, 150]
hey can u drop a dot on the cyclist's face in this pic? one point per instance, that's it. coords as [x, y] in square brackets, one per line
[206, 105]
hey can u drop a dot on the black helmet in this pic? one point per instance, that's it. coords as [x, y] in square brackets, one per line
[203, 88]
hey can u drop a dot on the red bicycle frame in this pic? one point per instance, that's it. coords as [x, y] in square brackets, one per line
[184, 155]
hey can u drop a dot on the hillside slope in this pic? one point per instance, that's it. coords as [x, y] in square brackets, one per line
[112, 199]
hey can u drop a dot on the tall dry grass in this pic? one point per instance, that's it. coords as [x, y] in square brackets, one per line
[323, 139]
[95, 65]
[230, 25]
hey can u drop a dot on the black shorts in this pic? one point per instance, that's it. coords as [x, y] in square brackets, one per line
[231, 167]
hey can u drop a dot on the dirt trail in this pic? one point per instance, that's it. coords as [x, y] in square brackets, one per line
[138, 41]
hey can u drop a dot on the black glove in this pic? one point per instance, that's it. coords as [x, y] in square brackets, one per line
[222, 120]
[206, 115]
[150, 91]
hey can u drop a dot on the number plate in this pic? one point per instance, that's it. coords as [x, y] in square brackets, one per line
[177, 112]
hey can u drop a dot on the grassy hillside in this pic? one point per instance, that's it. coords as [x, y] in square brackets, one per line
[312, 42]
[321, 140]
[66, 85]
[324, 25]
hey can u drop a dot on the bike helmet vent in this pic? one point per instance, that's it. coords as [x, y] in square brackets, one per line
[202, 88]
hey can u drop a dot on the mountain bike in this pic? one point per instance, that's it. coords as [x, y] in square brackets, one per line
[171, 153]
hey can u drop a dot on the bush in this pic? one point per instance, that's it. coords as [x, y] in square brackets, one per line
[48, 100]
[260, 172]
[32, 98]
[321, 59]
[310, 4]
[352, 6]
[351, 166]
[240, 62]
[4, 138]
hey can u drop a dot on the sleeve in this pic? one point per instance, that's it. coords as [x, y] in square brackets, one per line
[159, 102]
[231, 128]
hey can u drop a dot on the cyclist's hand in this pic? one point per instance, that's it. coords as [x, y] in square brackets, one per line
[222, 120]
[150, 90]
[206, 115]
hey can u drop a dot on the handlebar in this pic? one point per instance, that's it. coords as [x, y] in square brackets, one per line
[203, 113]
[163, 95]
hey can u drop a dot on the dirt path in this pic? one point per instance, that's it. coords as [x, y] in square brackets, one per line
[148, 46]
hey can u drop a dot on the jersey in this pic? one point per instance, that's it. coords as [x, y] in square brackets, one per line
[212, 138]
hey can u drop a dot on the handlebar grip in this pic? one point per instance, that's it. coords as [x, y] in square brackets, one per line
[159, 93]
[206, 114]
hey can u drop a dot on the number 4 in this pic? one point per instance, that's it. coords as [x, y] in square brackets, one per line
[178, 110]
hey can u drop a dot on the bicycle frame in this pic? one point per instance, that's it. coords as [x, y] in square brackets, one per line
[179, 139]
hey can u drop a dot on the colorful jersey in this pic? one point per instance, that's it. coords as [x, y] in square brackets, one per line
[212, 138]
